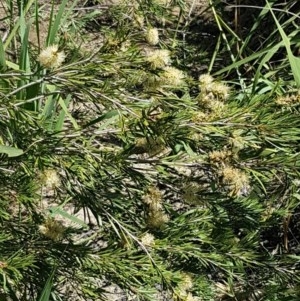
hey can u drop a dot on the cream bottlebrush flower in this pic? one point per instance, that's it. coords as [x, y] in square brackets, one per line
[217, 107]
[186, 283]
[205, 98]
[153, 198]
[159, 58]
[237, 181]
[199, 117]
[50, 178]
[147, 240]
[172, 76]
[52, 229]
[220, 90]
[283, 100]
[156, 219]
[51, 58]
[220, 156]
[216, 90]
[125, 46]
[205, 80]
[152, 36]
[288, 100]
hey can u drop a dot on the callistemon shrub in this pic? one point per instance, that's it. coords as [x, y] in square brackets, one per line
[127, 174]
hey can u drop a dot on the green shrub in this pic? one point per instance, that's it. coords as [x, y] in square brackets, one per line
[125, 173]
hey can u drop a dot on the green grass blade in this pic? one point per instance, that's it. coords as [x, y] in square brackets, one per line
[294, 61]
[62, 115]
[105, 119]
[14, 30]
[66, 111]
[2, 56]
[248, 59]
[49, 107]
[45, 295]
[37, 24]
[52, 32]
[24, 56]
[60, 18]
[24, 63]
[263, 62]
[259, 19]
[50, 25]
[57, 210]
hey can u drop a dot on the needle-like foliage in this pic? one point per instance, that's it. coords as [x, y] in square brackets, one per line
[129, 172]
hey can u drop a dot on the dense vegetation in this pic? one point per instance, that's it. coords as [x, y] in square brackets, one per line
[149, 150]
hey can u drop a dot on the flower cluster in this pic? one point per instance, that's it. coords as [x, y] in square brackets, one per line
[159, 58]
[156, 216]
[205, 80]
[236, 181]
[199, 116]
[219, 156]
[183, 288]
[288, 100]
[52, 229]
[216, 90]
[153, 198]
[152, 36]
[147, 240]
[50, 179]
[212, 94]
[51, 58]
[156, 219]
[172, 77]
[186, 282]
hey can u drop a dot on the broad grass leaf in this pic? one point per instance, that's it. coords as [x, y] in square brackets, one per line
[56, 210]
[10, 151]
